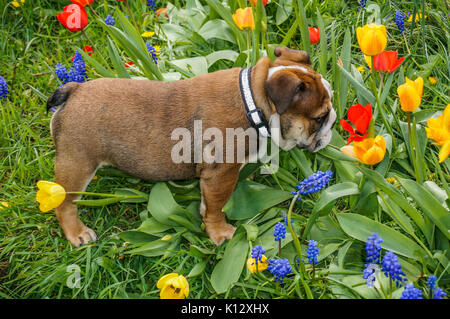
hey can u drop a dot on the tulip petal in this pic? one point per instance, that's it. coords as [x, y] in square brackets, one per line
[444, 152]
[164, 279]
[409, 97]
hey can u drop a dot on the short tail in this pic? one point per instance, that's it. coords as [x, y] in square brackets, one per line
[61, 95]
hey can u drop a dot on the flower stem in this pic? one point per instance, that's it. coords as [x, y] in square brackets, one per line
[412, 145]
[94, 13]
[248, 48]
[298, 248]
[375, 92]
[132, 16]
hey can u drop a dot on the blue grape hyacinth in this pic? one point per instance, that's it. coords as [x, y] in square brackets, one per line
[432, 282]
[280, 231]
[152, 52]
[392, 267]
[257, 253]
[110, 20]
[279, 268]
[61, 72]
[411, 292]
[312, 252]
[151, 4]
[400, 20]
[369, 273]
[77, 72]
[373, 249]
[439, 294]
[362, 3]
[3, 88]
[313, 183]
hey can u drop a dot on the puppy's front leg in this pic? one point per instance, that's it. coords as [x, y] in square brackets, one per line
[217, 183]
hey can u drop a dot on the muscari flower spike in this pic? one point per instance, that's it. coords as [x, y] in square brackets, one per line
[373, 249]
[411, 292]
[152, 52]
[151, 4]
[77, 72]
[313, 183]
[363, 3]
[257, 253]
[436, 292]
[3, 88]
[61, 72]
[392, 267]
[279, 268]
[400, 20]
[439, 294]
[369, 274]
[312, 251]
[280, 231]
[110, 20]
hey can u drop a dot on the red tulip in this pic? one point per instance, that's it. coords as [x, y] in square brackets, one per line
[128, 64]
[73, 17]
[88, 49]
[162, 10]
[314, 35]
[82, 3]
[360, 116]
[263, 1]
[387, 61]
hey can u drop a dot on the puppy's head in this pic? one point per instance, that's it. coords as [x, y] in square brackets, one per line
[302, 99]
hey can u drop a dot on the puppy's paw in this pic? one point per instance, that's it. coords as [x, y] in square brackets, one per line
[85, 236]
[218, 232]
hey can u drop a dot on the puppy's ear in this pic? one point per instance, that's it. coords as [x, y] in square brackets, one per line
[282, 88]
[292, 55]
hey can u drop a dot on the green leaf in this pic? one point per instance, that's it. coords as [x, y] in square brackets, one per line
[221, 55]
[327, 197]
[198, 269]
[196, 66]
[154, 248]
[134, 236]
[132, 193]
[252, 231]
[230, 267]
[361, 227]
[116, 60]
[217, 29]
[358, 86]
[284, 10]
[152, 226]
[251, 198]
[162, 205]
[429, 205]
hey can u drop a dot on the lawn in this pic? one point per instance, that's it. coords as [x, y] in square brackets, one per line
[381, 223]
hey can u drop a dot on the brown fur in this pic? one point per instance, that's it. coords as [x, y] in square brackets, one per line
[128, 123]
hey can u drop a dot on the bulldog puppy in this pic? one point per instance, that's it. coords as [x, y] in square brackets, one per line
[129, 124]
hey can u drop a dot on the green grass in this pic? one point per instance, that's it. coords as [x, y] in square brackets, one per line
[34, 253]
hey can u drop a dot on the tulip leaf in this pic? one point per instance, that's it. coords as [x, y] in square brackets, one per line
[284, 10]
[229, 268]
[361, 227]
[358, 86]
[198, 269]
[217, 29]
[429, 205]
[135, 237]
[150, 249]
[221, 55]
[152, 226]
[251, 198]
[161, 205]
[196, 66]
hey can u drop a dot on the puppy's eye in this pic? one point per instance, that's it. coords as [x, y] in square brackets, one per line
[319, 120]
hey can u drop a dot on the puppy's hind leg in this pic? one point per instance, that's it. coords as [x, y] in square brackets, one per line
[73, 172]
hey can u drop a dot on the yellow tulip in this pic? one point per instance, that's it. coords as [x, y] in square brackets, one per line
[173, 286]
[244, 18]
[432, 80]
[50, 195]
[348, 150]
[3, 205]
[371, 150]
[439, 131]
[410, 94]
[361, 69]
[262, 265]
[372, 38]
